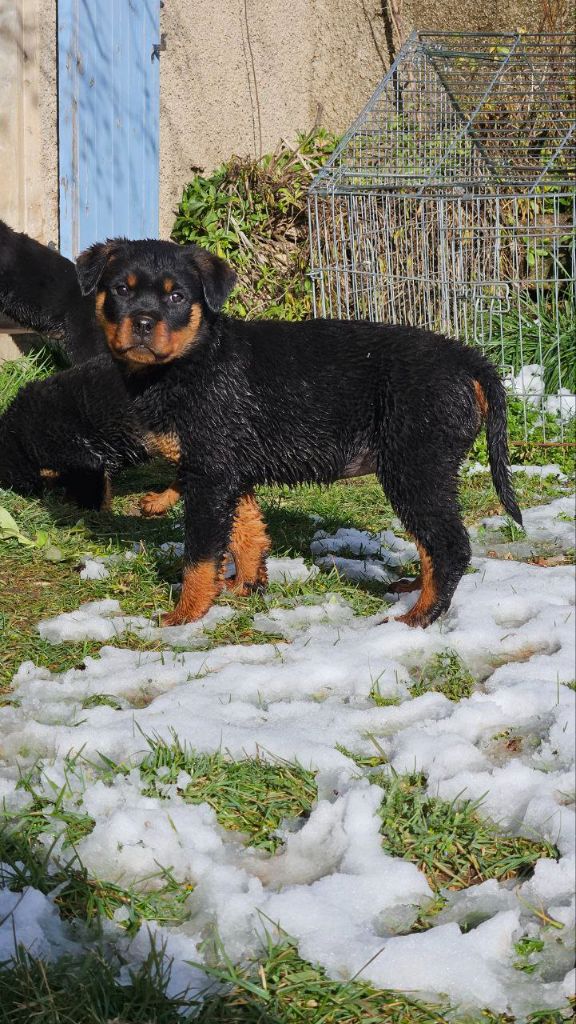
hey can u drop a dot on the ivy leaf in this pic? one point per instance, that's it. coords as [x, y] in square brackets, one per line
[9, 529]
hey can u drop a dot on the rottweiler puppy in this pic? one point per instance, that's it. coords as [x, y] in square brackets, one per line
[73, 429]
[242, 403]
[79, 427]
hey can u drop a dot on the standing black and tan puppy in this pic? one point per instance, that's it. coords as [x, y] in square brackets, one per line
[246, 403]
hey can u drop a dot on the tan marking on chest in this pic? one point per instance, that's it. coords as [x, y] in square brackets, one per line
[166, 445]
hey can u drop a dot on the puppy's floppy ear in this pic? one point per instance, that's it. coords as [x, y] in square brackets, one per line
[217, 276]
[91, 263]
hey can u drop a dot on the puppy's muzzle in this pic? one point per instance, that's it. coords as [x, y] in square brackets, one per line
[143, 327]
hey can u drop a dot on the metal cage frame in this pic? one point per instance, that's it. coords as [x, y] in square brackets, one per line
[451, 204]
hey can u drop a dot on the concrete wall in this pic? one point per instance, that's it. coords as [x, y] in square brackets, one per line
[28, 127]
[238, 76]
[28, 117]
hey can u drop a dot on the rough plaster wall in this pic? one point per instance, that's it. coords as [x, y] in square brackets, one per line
[28, 117]
[237, 77]
[240, 76]
[28, 126]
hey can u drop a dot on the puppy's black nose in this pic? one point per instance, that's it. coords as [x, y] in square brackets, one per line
[143, 325]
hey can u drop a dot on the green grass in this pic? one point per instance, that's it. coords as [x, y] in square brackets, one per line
[451, 843]
[541, 333]
[280, 988]
[15, 373]
[445, 673]
[251, 796]
[77, 895]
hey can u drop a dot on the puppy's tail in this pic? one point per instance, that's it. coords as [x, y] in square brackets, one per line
[491, 398]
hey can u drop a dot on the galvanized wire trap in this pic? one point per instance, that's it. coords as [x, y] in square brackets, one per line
[451, 204]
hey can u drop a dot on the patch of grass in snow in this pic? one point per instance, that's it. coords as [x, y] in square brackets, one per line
[281, 988]
[526, 949]
[444, 673]
[78, 895]
[252, 796]
[450, 842]
[86, 991]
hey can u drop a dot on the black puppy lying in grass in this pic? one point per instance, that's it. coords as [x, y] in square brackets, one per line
[245, 403]
[79, 427]
[75, 428]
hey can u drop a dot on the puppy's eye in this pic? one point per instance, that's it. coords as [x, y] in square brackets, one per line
[121, 289]
[176, 297]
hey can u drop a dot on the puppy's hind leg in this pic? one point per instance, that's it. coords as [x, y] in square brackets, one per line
[88, 488]
[426, 502]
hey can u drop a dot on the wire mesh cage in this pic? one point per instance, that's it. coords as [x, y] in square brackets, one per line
[451, 204]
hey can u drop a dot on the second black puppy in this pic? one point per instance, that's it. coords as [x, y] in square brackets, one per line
[77, 428]
[39, 289]
[74, 429]
[246, 403]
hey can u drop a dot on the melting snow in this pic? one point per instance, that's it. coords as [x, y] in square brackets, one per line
[348, 904]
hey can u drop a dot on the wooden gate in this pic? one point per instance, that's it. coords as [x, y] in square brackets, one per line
[108, 120]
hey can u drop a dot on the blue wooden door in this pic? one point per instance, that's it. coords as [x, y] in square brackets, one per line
[108, 120]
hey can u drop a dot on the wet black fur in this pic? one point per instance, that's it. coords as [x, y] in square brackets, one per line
[39, 289]
[78, 423]
[262, 402]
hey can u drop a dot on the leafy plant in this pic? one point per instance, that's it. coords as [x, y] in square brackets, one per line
[253, 214]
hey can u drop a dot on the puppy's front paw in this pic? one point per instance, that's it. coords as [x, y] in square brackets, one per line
[153, 503]
[177, 617]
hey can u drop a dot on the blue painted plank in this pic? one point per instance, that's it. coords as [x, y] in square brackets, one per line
[109, 106]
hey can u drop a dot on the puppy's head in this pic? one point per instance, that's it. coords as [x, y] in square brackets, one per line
[153, 298]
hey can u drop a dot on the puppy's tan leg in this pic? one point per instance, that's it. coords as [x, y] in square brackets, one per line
[249, 545]
[156, 503]
[419, 615]
[201, 584]
[406, 586]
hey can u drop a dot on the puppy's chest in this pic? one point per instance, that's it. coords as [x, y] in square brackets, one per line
[165, 443]
[175, 428]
